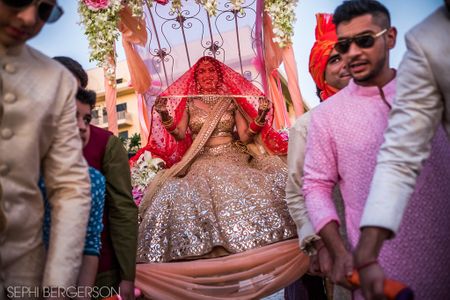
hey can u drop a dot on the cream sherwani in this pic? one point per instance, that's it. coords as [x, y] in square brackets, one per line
[38, 133]
[422, 103]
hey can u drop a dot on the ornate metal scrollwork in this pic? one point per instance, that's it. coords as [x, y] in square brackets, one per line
[178, 38]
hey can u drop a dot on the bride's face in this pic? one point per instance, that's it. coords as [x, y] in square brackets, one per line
[207, 77]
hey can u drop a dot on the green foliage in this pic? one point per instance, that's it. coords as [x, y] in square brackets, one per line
[131, 144]
[134, 143]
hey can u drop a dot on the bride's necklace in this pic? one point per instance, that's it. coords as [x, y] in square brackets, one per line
[210, 99]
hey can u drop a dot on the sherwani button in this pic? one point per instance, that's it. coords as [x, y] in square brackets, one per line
[9, 98]
[10, 68]
[6, 133]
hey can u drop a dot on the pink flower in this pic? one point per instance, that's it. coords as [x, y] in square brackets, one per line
[97, 4]
[162, 2]
[137, 195]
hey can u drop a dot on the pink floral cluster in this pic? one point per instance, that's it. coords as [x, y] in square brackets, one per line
[138, 194]
[97, 4]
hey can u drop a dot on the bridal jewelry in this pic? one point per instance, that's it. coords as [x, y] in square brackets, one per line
[210, 99]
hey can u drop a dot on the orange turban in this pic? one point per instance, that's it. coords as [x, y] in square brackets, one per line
[320, 53]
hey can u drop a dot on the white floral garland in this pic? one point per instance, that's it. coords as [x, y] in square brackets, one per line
[143, 172]
[282, 13]
[100, 19]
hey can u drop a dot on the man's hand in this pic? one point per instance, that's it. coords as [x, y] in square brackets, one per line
[314, 268]
[321, 263]
[126, 289]
[342, 267]
[367, 251]
[372, 282]
[342, 259]
[325, 261]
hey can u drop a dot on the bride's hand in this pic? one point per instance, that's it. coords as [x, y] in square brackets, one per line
[264, 107]
[161, 106]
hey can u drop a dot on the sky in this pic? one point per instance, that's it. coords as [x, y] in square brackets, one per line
[66, 37]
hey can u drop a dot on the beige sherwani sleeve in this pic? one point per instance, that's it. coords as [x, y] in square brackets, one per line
[423, 84]
[68, 188]
[2, 214]
[294, 195]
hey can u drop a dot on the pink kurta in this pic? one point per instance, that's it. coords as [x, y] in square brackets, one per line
[345, 135]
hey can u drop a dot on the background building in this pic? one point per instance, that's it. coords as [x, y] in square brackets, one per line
[127, 111]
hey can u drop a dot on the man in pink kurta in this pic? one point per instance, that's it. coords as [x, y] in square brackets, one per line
[345, 135]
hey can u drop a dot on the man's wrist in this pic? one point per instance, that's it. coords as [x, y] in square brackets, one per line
[164, 115]
[318, 244]
[332, 239]
[370, 244]
[339, 252]
[261, 118]
[308, 244]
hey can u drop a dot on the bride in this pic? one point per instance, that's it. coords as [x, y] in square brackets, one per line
[224, 190]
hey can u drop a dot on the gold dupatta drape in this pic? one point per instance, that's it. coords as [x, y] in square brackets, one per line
[179, 168]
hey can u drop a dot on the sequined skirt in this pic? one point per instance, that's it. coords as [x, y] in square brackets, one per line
[224, 202]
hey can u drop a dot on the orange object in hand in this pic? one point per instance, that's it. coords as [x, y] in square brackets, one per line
[393, 289]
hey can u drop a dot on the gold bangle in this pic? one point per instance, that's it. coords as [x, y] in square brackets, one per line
[258, 123]
[251, 131]
[167, 123]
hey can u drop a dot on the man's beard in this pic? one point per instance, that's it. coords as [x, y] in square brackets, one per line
[378, 67]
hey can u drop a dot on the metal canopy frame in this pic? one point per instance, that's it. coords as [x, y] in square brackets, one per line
[178, 38]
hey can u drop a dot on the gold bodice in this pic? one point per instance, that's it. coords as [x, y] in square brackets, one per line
[198, 116]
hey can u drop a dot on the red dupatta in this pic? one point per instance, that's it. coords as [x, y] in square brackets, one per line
[162, 144]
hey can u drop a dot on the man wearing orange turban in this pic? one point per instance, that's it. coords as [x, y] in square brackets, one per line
[325, 64]
[330, 75]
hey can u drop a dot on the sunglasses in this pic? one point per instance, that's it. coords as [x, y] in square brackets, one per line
[48, 11]
[366, 40]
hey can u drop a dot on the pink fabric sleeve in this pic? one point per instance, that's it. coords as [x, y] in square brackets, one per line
[320, 173]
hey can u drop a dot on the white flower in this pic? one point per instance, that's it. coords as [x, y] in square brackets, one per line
[282, 13]
[147, 156]
[157, 162]
[145, 170]
[102, 32]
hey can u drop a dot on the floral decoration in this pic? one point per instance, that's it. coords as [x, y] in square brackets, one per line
[237, 4]
[100, 19]
[282, 13]
[284, 132]
[209, 5]
[143, 172]
[176, 6]
[97, 4]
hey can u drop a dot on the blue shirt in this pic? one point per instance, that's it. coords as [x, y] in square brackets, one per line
[95, 225]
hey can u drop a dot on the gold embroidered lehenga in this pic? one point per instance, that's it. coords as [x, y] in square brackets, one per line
[218, 199]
